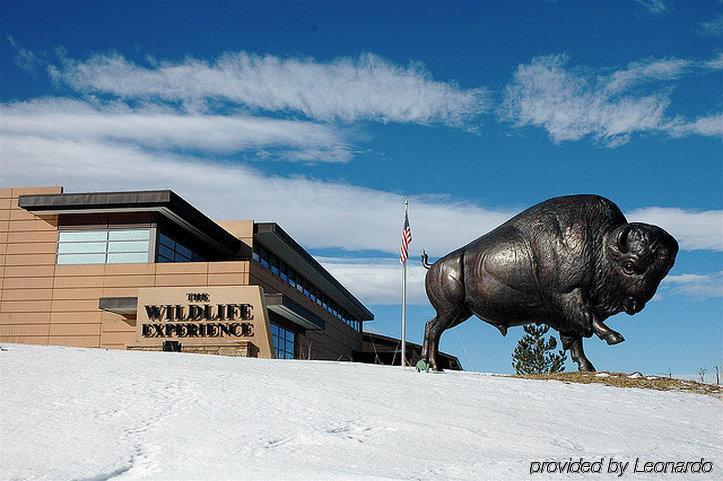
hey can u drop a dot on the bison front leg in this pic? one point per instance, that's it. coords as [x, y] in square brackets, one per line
[577, 314]
[581, 318]
[573, 343]
[605, 333]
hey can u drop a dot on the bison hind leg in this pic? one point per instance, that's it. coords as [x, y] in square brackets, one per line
[433, 330]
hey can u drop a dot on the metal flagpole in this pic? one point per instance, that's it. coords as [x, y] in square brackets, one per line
[404, 297]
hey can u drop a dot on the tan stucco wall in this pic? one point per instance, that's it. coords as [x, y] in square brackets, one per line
[27, 268]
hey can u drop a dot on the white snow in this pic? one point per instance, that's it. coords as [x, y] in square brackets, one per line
[94, 415]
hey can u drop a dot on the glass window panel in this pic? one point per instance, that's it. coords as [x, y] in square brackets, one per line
[128, 246]
[82, 236]
[274, 329]
[182, 258]
[166, 241]
[184, 251]
[81, 247]
[129, 234]
[166, 252]
[163, 259]
[255, 256]
[81, 258]
[127, 257]
[197, 258]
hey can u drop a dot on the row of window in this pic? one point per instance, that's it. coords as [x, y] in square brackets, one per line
[106, 246]
[119, 246]
[170, 250]
[284, 342]
[279, 268]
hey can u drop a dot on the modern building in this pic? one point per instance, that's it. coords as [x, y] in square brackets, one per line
[146, 270]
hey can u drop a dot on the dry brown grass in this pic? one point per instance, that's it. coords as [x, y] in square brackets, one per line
[618, 379]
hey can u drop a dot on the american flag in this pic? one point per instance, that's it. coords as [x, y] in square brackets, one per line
[406, 240]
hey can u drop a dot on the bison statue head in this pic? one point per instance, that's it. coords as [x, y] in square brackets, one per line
[636, 259]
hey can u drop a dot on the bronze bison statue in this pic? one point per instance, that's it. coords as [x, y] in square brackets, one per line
[569, 262]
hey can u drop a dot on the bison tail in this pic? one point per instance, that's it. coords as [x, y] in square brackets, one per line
[425, 260]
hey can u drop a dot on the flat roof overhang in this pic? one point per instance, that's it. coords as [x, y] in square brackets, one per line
[125, 306]
[278, 303]
[293, 312]
[271, 235]
[164, 202]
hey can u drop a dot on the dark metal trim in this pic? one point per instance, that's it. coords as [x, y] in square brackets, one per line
[310, 267]
[293, 312]
[119, 305]
[167, 202]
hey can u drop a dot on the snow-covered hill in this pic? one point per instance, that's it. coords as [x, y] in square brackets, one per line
[94, 414]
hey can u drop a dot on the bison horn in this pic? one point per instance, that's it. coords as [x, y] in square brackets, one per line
[619, 242]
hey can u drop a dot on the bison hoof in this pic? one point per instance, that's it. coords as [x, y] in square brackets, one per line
[614, 338]
[586, 367]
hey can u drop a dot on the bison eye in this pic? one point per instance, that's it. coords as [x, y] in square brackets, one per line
[629, 267]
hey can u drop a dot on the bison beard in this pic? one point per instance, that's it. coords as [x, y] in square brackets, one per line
[569, 262]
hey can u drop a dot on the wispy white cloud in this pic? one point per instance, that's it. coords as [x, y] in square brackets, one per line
[695, 285]
[653, 6]
[711, 125]
[163, 128]
[24, 58]
[693, 229]
[320, 214]
[716, 63]
[642, 71]
[572, 104]
[346, 89]
[378, 280]
[712, 27]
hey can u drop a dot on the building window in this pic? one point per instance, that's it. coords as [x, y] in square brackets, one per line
[284, 342]
[169, 250]
[274, 261]
[103, 246]
[280, 269]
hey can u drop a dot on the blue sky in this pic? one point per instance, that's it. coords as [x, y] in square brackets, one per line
[322, 116]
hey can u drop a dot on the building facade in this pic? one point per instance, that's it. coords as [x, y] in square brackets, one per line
[148, 271]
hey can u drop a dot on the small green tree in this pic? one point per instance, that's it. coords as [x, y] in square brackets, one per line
[535, 355]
